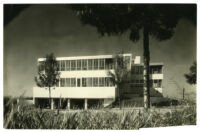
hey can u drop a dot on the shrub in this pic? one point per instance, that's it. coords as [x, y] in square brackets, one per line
[24, 116]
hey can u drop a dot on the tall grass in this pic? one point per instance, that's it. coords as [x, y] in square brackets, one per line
[24, 116]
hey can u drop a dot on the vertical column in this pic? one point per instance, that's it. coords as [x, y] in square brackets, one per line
[34, 100]
[104, 61]
[52, 104]
[86, 104]
[68, 104]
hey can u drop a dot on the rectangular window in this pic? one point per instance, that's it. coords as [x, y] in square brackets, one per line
[89, 82]
[95, 82]
[107, 81]
[96, 64]
[78, 82]
[41, 65]
[84, 64]
[84, 82]
[155, 83]
[73, 65]
[62, 82]
[111, 82]
[141, 70]
[59, 65]
[159, 83]
[67, 63]
[78, 64]
[73, 82]
[101, 81]
[156, 69]
[101, 64]
[67, 82]
[109, 63]
[62, 65]
[90, 64]
[137, 81]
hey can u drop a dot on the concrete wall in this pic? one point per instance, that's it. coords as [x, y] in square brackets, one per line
[75, 92]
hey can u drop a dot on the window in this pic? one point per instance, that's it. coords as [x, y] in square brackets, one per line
[90, 64]
[96, 64]
[110, 82]
[141, 70]
[109, 63]
[101, 64]
[73, 65]
[137, 81]
[156, 69]
[62, 65]
[62, 82]
[78, 82]
[155, 83]
[95, 82]
[67, 62]
[83, 82]
[159, 83]
[107, 81]
[84, 64]
[73, 82]
[67, 82]
[41, 65]
[101, 82]
[89, 82]
[78, 64]
[141, 81]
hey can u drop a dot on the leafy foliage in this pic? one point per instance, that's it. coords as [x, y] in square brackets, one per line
[48, 74]
[115, 19]
[26, 116]
[192, 76]
[121, 74]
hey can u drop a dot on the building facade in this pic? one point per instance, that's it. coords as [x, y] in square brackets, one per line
[85, 81]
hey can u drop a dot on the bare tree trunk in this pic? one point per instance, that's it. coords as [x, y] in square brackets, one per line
[118, 92]
[146, 60]
[50, 97]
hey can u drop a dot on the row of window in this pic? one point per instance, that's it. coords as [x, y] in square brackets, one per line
[153, 69]
[86, 82]
[153, 83]
[85, 64]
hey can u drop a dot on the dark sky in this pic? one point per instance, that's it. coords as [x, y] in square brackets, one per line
[41, 29]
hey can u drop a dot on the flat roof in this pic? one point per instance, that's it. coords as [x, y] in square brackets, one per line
[84, 57]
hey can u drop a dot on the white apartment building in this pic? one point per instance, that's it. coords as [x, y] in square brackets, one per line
[84, 80]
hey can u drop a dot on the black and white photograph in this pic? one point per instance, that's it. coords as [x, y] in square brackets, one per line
[99, 66]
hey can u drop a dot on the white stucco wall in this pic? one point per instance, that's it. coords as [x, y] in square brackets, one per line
[74, 92]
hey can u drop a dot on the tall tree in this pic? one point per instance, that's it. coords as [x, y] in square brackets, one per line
[48, 74]
[158, 21]
[191, 77]
[120, 75]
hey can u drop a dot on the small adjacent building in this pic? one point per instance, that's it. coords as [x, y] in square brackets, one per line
[85, 82]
